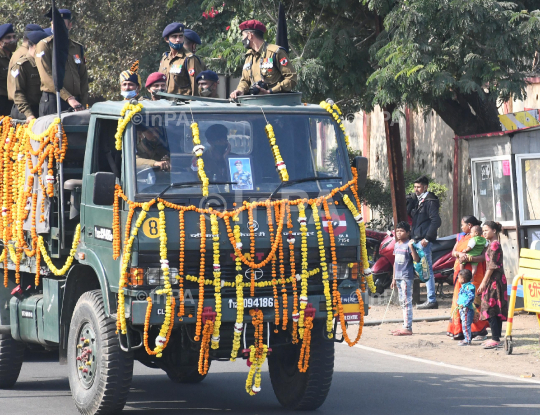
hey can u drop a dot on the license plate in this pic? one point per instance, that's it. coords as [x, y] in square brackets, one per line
[254, 302]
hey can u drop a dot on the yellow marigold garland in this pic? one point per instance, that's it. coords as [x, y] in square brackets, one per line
[335, 112]
[280, 164]
[124, 120]
[239, 324]
[324, 268]
[198, 149]
[60, 271]
[217, 280]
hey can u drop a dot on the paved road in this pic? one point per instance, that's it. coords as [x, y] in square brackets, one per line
[364, 383]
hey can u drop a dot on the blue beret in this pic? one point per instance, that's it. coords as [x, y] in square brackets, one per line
[207, 76]
[65, 13]
[173, 28]
[193, 36]
[6, 29]
[36, 36]
[32, 27]
[48, 31]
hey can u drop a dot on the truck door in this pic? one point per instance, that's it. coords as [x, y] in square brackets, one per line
[97, 220]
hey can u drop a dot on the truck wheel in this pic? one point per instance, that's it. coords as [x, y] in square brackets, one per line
[303, 391]
[11, 360]
[99, 371]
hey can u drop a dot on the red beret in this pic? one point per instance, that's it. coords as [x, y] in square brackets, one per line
[253, 25]
[155, 77]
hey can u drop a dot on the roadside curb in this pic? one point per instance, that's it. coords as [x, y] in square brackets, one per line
[447, 365]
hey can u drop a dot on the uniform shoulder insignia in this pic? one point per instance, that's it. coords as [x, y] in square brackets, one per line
[15, 73]
[274, 48]
[77, 43]
[40, 54]
[165, 55]
[47, 39]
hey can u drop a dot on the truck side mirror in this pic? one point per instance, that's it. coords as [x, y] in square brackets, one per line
[104, 189]
[361, 165]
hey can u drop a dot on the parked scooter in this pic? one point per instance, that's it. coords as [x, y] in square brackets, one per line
[443, 262]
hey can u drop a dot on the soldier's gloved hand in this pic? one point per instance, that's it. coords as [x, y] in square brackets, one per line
[236, 94]
[263, 91]
[76, 105]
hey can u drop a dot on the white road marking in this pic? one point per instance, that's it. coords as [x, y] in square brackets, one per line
[447, 365]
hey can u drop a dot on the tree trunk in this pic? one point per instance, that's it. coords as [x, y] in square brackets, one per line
[395, 166]
[469, 114]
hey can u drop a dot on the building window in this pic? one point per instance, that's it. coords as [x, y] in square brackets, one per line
[493, 190]
[528, 174]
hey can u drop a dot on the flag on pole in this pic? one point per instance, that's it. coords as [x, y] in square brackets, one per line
[60, 48]
[281, 33]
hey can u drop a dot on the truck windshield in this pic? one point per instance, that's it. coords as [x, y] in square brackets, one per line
[237, 151]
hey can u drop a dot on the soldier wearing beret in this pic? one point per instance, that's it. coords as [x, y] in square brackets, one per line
[172, 62]
[207, 82]
[264, 62]
[130, 83]
[8, 44]
[156, 82]
[26, 81]
[18, 54]
[74, 94]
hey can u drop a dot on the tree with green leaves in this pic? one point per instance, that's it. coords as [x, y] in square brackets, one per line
[459, 58]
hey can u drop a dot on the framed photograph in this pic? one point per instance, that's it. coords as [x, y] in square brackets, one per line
[240, 169]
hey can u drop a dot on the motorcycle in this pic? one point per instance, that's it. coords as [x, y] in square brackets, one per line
[442, 259]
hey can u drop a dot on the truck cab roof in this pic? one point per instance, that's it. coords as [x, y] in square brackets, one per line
[290, 102]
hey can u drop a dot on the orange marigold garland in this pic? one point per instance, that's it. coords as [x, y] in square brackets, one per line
[200, 301]
[303, 361]
[181, 258]
[205, 347]
[274, 281]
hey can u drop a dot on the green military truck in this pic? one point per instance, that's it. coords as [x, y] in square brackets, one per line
[166, 233]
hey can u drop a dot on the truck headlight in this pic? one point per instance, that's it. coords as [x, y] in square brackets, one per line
[154, 276]
[343, 271]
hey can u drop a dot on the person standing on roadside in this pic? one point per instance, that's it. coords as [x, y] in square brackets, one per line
[423, 207]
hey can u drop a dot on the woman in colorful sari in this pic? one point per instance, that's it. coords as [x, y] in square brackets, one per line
[478, 329]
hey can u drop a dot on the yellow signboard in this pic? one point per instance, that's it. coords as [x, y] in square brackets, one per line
[531, 295]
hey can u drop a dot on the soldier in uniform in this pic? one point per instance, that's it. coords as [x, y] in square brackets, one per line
[26, 82]
[216, 158]
[241, 177]
[18, 54]
[264, 62]
[74, 94]
[207, 82]
[172, 62]
[193, 64]
[8, 44]
[152, 149]
[156, 82]
[130, 83]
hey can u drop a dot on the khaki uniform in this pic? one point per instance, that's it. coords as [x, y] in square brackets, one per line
[27, 83]
[17, 56]
[76, 78]
[149, 151]
[271, 65]
[181, 72]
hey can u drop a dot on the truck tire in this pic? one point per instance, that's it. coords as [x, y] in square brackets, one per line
[104, 387]
[303, 391]
[11, 360]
